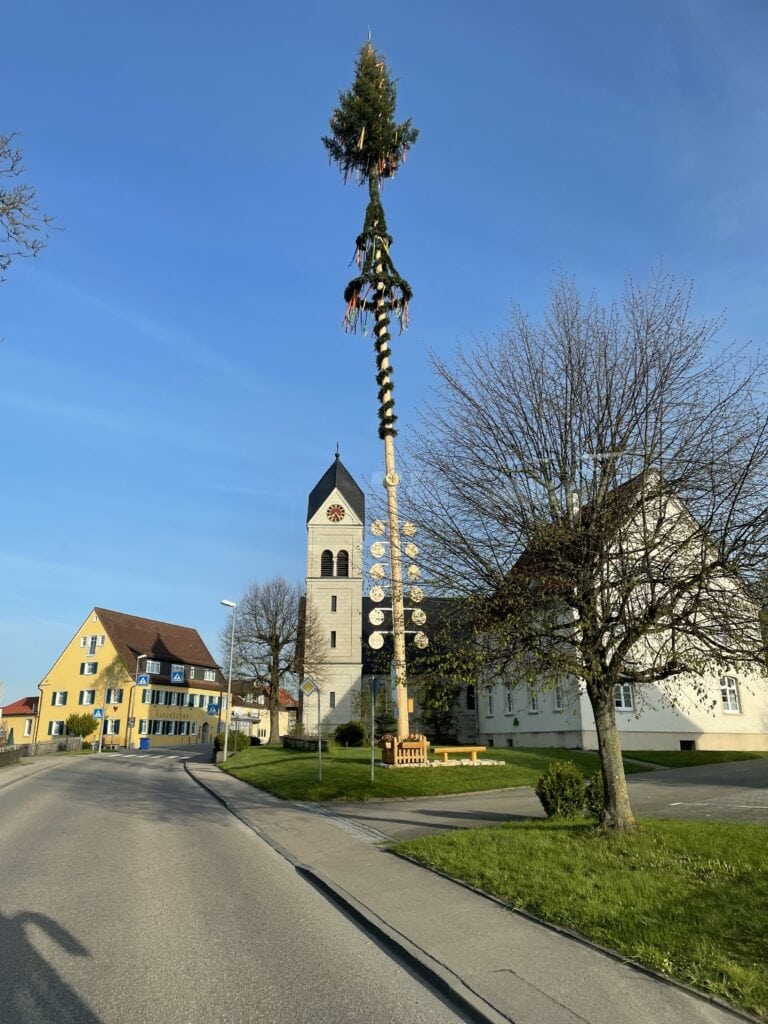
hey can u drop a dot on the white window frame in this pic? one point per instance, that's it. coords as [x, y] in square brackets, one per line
[143, 727]
[89, 668]
[729, 695]
[59, 699]
[624, 697]
[558, 698]
[56, 727]
[114, 695]
[192, 671]
[152, 668]
[111, 726]
[489, 699]
[533, 701]
[209, 675]
[509, 704]
[27, 726]
[87, 697]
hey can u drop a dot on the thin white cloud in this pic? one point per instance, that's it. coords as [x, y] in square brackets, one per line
[129, 423]
[188, 350]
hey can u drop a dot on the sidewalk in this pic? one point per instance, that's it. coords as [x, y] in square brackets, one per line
[498, 964]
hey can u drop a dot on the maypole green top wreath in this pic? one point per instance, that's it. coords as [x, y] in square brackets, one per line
[369, 145]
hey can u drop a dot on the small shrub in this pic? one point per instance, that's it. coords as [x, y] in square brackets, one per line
[350, 734]
[595, 797]
[562, 790]
[237, 741]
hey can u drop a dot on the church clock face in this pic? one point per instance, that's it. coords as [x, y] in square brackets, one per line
[335, 513]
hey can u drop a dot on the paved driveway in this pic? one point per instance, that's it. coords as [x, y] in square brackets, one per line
[737, 791]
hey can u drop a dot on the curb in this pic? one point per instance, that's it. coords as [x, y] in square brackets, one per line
[413, 957]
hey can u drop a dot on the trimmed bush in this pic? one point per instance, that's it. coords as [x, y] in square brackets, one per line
[595, 798]
[562, 790]
[237, 741]
[350, 734]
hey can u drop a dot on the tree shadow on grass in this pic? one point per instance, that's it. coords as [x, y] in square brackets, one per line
[31, 991]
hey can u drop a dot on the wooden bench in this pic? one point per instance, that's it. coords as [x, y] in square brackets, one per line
[472, 751]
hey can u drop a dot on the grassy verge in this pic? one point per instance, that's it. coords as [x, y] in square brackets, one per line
[292, 774]
[686, 898]
[691, 758]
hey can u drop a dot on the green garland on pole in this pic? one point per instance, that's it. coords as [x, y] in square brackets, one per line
[368, 145]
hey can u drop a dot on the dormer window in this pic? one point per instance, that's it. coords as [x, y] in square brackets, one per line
[326, 563]
[342, 563]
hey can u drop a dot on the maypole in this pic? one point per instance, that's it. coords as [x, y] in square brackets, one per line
[369, 145]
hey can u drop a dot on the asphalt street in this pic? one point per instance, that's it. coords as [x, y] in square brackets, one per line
[130, 895]
[736, 791]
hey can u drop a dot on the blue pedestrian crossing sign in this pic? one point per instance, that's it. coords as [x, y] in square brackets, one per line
[177, 676]
[98, 713]
[213, 707]
[142, 680]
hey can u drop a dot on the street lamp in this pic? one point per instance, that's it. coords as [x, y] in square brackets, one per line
[131, 702]
[233, 606]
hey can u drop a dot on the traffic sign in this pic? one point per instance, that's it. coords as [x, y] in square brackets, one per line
[98, 713]
[142, 680]
[213, 707]
[308, 687]
[177, 676]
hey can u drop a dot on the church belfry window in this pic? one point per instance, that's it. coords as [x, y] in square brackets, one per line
[342, 563]
[326, 563]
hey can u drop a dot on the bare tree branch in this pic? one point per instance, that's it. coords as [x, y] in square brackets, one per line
[595, 487]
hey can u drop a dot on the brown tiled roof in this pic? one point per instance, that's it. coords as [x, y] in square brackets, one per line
[242, 687]
[23, 706]
[162, 641]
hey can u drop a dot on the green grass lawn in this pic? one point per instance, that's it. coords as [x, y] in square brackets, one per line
[687, 898]
[292, 774]
[690, 758]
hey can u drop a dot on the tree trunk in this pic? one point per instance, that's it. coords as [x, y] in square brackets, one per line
[617, 812]
[274, 701]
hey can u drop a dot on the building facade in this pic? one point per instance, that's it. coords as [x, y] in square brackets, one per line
[148, 682]
[334, 588]
[20, 718]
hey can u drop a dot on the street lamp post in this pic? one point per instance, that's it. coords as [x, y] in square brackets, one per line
[131, 702]
[233, 606]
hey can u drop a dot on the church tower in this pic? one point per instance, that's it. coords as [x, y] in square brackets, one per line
[335, 530]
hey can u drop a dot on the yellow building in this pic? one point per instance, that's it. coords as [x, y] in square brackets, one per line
[146, 682]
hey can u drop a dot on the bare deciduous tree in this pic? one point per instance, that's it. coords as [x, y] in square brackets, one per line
[22, 226]
[276, 639]
[595, 486]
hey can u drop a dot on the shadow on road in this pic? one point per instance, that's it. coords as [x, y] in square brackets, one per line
[31, 991]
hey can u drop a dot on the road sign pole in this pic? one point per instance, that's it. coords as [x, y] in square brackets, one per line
[319, 741]
[373, 727]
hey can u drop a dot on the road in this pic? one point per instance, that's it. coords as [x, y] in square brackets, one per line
[736, 791]
[128, 894]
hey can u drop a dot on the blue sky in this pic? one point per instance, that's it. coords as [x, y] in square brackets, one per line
[173, 374]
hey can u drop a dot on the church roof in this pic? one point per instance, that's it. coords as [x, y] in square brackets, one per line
[337, 476]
